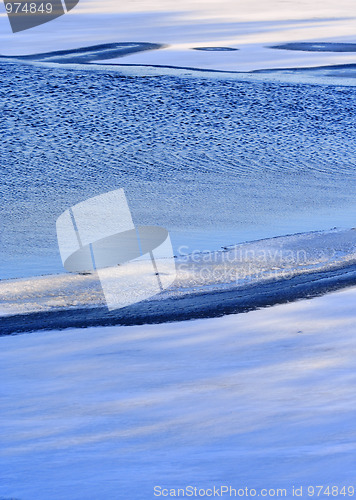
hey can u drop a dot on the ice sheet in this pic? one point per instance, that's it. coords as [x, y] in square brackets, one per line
[250, 26]
[259, 400]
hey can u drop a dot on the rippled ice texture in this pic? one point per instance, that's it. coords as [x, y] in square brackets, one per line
[216, 162]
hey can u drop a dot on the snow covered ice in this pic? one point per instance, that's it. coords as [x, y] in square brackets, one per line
[259, 400]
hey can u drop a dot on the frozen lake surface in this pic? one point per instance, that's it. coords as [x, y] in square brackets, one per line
[216, 162]
[259, 400]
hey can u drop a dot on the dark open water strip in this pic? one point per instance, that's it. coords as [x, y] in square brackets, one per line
[317, 46]
[198, 305]
[84, 55]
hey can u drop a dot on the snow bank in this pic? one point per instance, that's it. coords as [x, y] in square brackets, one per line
[233, 268]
